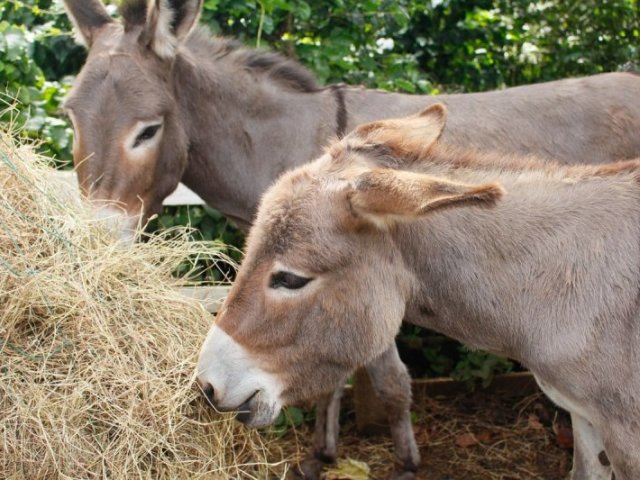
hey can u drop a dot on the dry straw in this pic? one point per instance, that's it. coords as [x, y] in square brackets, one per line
[97, 348]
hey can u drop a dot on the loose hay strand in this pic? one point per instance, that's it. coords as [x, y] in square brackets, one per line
[98, 349]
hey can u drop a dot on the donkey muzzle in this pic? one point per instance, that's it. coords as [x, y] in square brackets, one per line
[252, 412]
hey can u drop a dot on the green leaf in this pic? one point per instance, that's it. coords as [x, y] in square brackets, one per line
[302, 10]
[165, 221]
[294, 416]
[210, 4]
[405, 85]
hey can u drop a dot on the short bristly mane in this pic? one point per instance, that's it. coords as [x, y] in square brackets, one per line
[276, 66]
[452, 158]
[456, 158]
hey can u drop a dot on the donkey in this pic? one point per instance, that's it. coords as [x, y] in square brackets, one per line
[533, 260]
[159, 101]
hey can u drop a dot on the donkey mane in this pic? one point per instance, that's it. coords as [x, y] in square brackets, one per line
[286, 72]
[452, 158]
[281, 69]
[456, 158]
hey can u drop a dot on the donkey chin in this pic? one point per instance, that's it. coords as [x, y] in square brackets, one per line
[256, 413]
[233, 381]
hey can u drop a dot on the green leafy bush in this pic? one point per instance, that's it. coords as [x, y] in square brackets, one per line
[37, 55]
[429, 354]
[340, 40]
[206, 224]
[476, 366]
[486, 44]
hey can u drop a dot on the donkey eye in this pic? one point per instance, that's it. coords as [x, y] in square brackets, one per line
[288, 280]
[147, 134]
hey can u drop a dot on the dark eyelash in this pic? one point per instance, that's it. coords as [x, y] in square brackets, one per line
[147, 134]
[288, 280]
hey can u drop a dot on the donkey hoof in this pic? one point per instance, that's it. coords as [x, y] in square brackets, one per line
[403, 475]
[309, 469]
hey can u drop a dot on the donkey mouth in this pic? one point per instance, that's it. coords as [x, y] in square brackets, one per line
[245, 411]
[256, 413]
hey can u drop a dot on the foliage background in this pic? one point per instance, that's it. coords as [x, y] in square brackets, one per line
[414, 46]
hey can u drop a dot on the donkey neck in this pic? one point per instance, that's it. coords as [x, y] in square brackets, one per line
[247, 124]
[549, 265]
[244, 131]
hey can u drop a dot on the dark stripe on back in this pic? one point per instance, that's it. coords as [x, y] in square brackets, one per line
[341, 113]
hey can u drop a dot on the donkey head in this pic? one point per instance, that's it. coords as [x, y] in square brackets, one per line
[130, 147]
[323, 289]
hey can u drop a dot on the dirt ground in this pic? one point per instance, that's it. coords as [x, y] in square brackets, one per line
[473, 436]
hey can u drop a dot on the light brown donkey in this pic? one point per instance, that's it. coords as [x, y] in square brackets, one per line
[159, 101]
[536, 261]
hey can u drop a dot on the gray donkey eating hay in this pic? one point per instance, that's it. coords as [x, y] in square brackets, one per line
[536, 261]
[159, 101]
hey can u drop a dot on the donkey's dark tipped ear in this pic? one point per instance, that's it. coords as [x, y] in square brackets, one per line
[385, 196]
[407, 137]
[436, 112]
[185, 16]
[88, 17]
[167, 22]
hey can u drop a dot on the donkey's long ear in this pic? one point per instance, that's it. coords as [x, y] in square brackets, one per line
[165, 22]
[88, 17]
[408, 136]
[385, 196]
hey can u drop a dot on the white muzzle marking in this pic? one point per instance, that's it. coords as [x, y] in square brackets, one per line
[122, 224]
[235, 377]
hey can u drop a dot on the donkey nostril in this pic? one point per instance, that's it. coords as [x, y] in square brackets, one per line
[208, 391]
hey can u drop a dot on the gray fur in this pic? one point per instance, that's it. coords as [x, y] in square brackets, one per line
[548, 274]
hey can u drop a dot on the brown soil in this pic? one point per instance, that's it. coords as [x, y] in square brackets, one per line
[466, 437]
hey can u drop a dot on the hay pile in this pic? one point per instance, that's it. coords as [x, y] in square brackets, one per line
[97, 349]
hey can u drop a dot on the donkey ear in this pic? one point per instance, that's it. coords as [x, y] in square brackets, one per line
[385, 196]
[185, 16]
[166, 22]
[88, 17]
[408, 136]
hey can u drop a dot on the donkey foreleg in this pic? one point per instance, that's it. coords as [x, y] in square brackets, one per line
[392, 384]
[622, 439]
[325, 437]
[590, 461]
